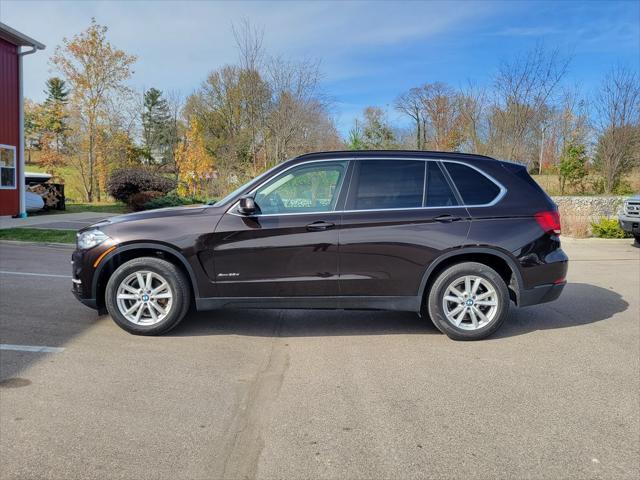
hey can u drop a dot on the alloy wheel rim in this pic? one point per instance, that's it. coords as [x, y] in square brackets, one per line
[470, 302]
[144, 298]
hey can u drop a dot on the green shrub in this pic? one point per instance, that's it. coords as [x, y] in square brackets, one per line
[623, 188]
[172, 200]
[608, 228]
[126, 182]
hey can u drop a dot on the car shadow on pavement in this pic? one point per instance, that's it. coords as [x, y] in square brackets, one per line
[580, 304]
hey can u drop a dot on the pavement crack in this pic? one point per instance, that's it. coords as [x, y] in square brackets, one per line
[255, 411]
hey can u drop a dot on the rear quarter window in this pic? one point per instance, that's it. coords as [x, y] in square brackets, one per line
[474, 187]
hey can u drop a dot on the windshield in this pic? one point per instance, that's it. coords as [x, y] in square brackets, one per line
[241, 188]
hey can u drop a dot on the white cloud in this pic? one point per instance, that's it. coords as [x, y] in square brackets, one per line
[179, 43]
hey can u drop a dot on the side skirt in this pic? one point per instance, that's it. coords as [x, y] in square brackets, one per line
[402, 304]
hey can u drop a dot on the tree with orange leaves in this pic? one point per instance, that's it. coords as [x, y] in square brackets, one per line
[194, 163]
[95, 70]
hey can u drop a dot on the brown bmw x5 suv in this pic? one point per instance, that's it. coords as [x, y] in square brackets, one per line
[451, 236]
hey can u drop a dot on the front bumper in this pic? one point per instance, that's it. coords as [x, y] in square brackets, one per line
[630, 224]
[82, 275]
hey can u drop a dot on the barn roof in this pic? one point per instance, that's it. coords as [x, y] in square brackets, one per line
[19, 39]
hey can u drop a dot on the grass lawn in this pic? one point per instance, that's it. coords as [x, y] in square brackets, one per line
[38, 235]
[96, 207]
[117, 208]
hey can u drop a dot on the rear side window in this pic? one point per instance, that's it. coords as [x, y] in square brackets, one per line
[474, 187]
[439, 193]
[385, 184]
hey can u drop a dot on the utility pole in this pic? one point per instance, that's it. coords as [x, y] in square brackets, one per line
[541, 150]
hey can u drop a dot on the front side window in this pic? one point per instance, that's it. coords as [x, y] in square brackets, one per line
[307, 188]
[7, 166]
[438, 191]
[384, 184]
[474, 187]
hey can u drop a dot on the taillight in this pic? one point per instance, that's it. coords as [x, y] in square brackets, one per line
[549, 221]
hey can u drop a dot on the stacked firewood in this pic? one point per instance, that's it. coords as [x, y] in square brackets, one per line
[51, 193]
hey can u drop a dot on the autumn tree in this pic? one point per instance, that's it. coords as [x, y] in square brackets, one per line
[32, 126]
[194, 163]
[95, 71]
[50, 157]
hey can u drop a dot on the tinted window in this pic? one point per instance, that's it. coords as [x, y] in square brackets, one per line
[308, 188]
[389, 184]
[439, 193]
[475, 188]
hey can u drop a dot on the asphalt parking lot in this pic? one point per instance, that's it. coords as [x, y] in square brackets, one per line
[299, 394]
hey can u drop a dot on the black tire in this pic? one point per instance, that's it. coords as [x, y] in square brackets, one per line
[636, 239]
[178, 283]
[436, 295]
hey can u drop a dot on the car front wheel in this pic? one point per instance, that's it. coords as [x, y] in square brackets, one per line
[468, 301]
[147, 296]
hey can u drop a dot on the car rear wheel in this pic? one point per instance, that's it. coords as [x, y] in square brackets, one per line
[147, 296]
[468, 301]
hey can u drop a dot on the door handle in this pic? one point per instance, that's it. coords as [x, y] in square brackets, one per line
[319, 226]
[447, 218]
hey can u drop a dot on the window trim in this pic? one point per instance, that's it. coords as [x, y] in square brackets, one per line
[348, 179]
[501, 193]
[15, 167]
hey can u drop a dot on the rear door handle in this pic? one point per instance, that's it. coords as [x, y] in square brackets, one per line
[447, 218]
[319, 226]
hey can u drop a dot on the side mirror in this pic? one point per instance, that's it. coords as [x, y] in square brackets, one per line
[247, 206]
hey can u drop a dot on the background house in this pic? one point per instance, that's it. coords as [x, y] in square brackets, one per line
[12, 185]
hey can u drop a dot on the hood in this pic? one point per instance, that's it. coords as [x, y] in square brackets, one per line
[186, 210]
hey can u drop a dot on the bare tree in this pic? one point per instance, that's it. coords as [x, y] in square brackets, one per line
[410, 103]
[441, 116]
[617, 108]
[255, 93]
[473, 105]
[295, 93]
[523, 87]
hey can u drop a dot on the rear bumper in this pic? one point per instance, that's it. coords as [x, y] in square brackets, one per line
[540, 294]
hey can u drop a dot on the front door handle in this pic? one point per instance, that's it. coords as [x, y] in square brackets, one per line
[447, 218]
[319, 226]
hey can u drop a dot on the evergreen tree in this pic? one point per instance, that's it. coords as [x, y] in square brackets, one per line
[54, 112]
[157, 127]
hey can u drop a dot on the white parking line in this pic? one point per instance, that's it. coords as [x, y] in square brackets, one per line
[30, 348]
[35, 274]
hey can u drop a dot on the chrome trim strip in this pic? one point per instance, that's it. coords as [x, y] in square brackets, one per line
[503, 190]
[76, 281]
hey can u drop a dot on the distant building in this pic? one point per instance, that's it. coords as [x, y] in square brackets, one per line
[12, 184]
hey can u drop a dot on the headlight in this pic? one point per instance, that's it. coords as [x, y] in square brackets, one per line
[90, 239]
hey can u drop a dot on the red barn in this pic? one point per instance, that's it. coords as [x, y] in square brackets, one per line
[12, 119]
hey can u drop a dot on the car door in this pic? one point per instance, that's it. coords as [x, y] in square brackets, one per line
[290, 247]
[399, 216]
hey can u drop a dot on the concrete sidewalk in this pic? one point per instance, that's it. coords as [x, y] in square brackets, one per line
[62, 221]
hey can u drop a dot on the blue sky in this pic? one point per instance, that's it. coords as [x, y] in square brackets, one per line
[369, 51]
